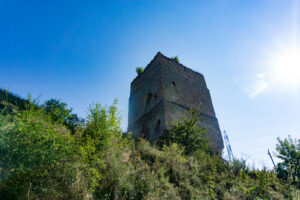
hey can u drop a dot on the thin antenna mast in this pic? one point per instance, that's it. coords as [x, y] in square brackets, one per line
[228, 147]
[272, 159]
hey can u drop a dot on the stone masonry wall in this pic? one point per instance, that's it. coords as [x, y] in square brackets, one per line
[162, 93]
[146, 111]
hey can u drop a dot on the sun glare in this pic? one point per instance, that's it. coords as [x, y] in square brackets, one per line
[286, 68]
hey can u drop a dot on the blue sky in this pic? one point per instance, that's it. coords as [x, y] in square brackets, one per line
[87, 51]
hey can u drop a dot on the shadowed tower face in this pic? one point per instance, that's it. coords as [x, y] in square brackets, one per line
[162, 93]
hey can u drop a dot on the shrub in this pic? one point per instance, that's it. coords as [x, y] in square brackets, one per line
[60, 113]
[40, 159]
[175, 58]
[139, 70]
[187, 134]
[288, 150]
[37, 158]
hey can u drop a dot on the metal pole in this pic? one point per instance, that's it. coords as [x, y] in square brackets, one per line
[272, 159]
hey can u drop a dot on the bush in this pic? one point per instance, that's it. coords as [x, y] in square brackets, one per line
[60, 113]
[288, 150]
[41, 159]
[187, 134]
[37, 158]
[139, 70]
[175, 58]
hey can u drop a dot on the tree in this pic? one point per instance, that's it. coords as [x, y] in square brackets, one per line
[60, 113]
[139, 70]
[103, 125]
[40, 159]
[187, 134]
[288, 150]
[37, 158]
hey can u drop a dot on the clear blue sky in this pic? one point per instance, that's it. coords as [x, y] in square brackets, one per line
[87, 51]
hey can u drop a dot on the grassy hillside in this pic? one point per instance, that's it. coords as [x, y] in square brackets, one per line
[41, 159]
[8, 98]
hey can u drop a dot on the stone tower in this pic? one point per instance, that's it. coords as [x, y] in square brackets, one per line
[162, 93]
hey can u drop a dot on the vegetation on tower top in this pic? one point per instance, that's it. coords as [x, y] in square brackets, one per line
[139, 70]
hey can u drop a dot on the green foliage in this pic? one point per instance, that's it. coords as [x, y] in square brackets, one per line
[187, 133]
[139, 170]
[41, 159]
[60, 113]
[175, 58]
[239, 165]
[288, 150]
[11, 101]
[29, 141]
[139, 70]
[101, 133]
[36, 155]
[103, 125]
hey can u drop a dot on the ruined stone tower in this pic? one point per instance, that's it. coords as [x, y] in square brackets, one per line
[164, 91]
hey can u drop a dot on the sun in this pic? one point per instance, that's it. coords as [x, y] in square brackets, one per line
[285, 67]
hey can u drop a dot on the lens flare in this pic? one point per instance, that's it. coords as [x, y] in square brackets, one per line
[285, 68]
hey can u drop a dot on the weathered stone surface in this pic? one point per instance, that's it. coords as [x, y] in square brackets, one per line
[162, 93]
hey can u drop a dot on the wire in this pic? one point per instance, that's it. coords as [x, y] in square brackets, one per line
[269, 134]
[271, 123]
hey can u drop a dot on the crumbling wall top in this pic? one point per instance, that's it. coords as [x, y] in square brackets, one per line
[171, 63]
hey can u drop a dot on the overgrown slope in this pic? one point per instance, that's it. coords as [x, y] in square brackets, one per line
[41, 159]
